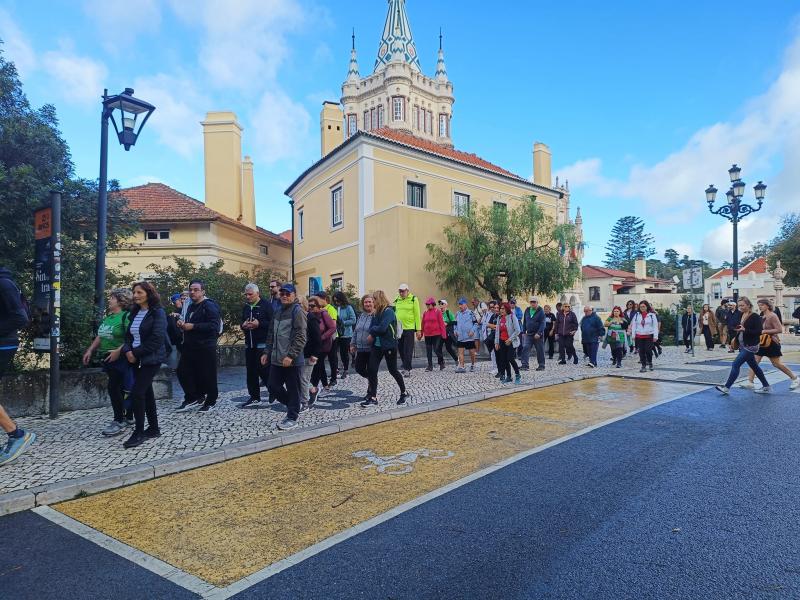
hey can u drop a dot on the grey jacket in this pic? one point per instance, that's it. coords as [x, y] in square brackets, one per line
[287, 336]
[361, 332]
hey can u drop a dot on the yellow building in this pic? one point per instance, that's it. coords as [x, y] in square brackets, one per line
[224, 227]
[389, 180]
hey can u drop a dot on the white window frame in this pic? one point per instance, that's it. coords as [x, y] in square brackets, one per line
[381, 116]
[300, 225]
[461, 204]
[367, 121]
[443, 125]
[159, 235]
[337, 277]
[352, 124]
[398, 108]
[416, 117]
[373, 114]
[413, 185]
[263, 250]
[337, 206]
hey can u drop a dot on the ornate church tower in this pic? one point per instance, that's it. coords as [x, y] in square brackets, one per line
[397, 94]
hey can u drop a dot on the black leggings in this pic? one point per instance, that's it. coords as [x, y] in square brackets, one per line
[143, 398]
[645, 346]
[361, 363]
[550, 340]
[318, 373]
[448, 344]
[344, 352]
[376, 355]
[617, 352]
[333, 359]
[434, 344]
[506, 361]
[709, 337]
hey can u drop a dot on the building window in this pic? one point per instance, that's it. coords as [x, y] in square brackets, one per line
[460, 204]
[716, 289]
[594, 294]
[398, 108]
[499, 205]
[263, 250]
[156, 234]
[300, 225]
[430, 122]
[337, 281]
[352, 125]
[337, 208]
[373, 114]
[416, 195]
[367, 120]
[442, 125]
[415, 112]
[380, 116]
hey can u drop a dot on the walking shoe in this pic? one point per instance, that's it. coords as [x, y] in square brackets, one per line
[251, 402]
[795, 383]
[137, 439]
[151, 433]
[650, 367]
[130, 421]
[494, 372]
[575, 362]
[498, 375]
[619, 365]
[643, 370]
[401, 401]
[540, 368]
[472, 368]
[562, 362]
[343, 375]
[114, 428]
[369, 402]
[312, 397]
[324, 392]
[763, 390]
[441, 367]
[429, 369]
[207, 408]
[188, 405]
[272, 398]
[518, 379]
[748, 385]
[592, 365]
[525, 368]
[460, 370]
[722, 389]
[332, 383]
[287, 424]
[16, 446]
[304, 407]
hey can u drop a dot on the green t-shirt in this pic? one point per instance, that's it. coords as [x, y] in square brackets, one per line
[112, 332]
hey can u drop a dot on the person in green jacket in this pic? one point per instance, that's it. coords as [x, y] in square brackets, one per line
[407, 310]
[616, 326]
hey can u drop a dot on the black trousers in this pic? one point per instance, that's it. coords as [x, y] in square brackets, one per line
[407, 348]
[645, 346]
[551, 346]
[197, 374]
[361, 364]
[344, 352]
[333, 361]
[448, 344]
[116, 393]
[434, 344]
[256, 372]
[566, 347]
[708, 337]
[376, 355]
[617, 352]
[318, 374]
[143, 398]
[687, 338]
[506, 360]
[284, 382]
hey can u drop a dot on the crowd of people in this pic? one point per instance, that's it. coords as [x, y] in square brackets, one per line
[299, 347]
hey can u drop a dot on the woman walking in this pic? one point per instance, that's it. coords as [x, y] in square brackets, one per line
[706, 325]
[644, 329]
[327, 329]
[108, 344]
[506, 342]
[549, 331]
[489, 334]
[748, 334]
[566, 326]
[630, 312]
[345, 323]
[616, 325]
[361, 344]
[435, 332]
[312, 352]
[145, 349]
[383, 333]
[772, 327]
[450, 326]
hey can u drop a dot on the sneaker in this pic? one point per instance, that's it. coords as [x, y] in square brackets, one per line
[643, 370]
[795, 383]
[272, 398]
[763, 390]
[312, 397]
[592, 365]
[575, 361]
[207, 408]
[429, 369]
[518, 379]
[304, 407]
[401, 401]
[137, 439]
[494, 372]
[323, 392]
[287, 424]
[498, 375]
[343, 375]
[472, 368]
[16, 446]
[251, 403]
[441, 367]
[332, 383]
[130, 421]
[722, 389]
[619, 365]
[151, 433]
[562, 362]
[460, 370]
[369, 402]
[540, 368]
[650, 367]
[186, 406]
[525, 368]
[748, 385]
[115, 428]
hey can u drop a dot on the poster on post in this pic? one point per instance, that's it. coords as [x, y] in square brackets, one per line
[42, 278]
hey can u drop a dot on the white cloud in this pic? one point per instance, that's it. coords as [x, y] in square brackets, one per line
[180, 108]
[119, 22]
[281, 128]
[717, 243]
[79, 79]
[16, 46]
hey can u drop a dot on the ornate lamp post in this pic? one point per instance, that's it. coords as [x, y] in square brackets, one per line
[130, 110]
[734, 211]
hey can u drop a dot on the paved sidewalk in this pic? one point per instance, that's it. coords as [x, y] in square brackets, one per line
[71, 446]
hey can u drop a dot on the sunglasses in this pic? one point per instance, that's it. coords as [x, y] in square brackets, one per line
[284, 293]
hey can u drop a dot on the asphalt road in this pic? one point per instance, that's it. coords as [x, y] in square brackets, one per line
[694, 498]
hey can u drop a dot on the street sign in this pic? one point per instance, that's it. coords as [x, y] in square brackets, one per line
[42, 278]
[693, 278]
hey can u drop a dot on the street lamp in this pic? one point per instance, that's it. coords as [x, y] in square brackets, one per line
[130, 110]
[734, 211]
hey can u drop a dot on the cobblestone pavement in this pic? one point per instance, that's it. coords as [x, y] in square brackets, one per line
[71, 446]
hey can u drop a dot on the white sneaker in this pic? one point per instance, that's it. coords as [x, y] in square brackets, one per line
[494, 372]
[795, 383]
[763, 390]
[748, 385]
[722, 389]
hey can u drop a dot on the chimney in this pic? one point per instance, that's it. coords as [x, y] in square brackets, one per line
[248, 208]
[641, 268]
[222, 140]
[542, 161]
[331, 126]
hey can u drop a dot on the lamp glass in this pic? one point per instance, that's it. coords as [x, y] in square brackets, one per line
[735, 172]
[738, 189]
[760, 190]
[711, 194]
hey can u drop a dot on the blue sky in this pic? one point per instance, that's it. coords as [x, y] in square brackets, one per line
[642, 104]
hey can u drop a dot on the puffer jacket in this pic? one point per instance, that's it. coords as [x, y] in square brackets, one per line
[592, 328]
[466, 326]
[153, 334]
[361, 333]
[566, 325]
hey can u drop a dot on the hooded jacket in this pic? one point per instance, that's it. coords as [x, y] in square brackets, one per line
[207, 321]
[383, 329]
[592, 328]
[13, 316]
[466, 326]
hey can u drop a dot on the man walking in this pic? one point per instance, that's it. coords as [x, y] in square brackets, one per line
[721, 314]
[467, 330]
[592, 330]
[333, 354]
[197, 367]
[407, 311]
[732, 320]
[533, 326]
[566, 327]
[256, 319]
[284, 354]
[13, 317]
[274, 299]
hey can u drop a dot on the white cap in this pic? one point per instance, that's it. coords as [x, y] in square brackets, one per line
[533, 299]
[403, 287]
[443, 301]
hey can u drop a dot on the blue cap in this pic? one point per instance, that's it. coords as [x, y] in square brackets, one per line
[288, 287]
[462, 300]
[174, 297]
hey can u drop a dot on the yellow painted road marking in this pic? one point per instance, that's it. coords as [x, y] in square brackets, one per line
[226, 521]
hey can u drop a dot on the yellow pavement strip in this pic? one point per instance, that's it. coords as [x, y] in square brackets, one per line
[226, 521]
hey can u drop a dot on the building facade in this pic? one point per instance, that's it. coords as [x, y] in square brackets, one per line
[605, 288]
[755, 281]
[390, 180]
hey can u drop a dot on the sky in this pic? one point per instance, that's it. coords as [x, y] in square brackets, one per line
[642, 104]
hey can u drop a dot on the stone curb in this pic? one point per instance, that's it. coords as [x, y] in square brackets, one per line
[44, 495]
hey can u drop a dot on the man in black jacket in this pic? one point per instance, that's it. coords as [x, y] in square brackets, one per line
[533, 324]
[256, 319]
[733, 319]
[197, 368]
[13, 317]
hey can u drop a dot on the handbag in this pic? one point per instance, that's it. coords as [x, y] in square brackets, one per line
[765, 341]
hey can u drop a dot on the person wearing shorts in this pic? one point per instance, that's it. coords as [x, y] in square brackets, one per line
[466, 333]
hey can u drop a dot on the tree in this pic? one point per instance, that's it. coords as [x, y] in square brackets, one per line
[672, 257]
[627, 243]
[506, 253]
[758, 250]
[786, 248]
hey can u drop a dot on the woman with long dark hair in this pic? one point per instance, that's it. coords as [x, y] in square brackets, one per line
[629, 313]
[748, 334]
[383, 335]
[616, 324]
[644, 329]
[506, 342]
[145, 348]
[707, 324]
[772, 327]
[344, 324]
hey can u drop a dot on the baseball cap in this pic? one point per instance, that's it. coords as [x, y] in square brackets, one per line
[403, 287]
[288, 287]
[462, 300]
[443, 301]
[533, 299]
[174, 297]
[430, 300]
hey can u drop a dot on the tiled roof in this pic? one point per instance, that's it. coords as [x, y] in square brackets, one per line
[287, 235]
[758, 266]
[159, 203]
[592, 272]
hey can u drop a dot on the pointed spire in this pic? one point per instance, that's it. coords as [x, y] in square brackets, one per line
[397, 42]
[353, 75]
[441, 69]
[578, 217]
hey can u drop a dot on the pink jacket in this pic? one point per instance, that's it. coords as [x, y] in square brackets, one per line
[327, 328]
[433, 323]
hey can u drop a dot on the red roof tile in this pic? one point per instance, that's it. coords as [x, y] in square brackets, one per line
[287, 235]
[758, 266]
[592, 272]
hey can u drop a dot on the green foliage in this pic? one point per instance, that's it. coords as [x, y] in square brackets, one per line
[226, 289]
[628, 242]
[350, 291]
[667, 320]
[786, 248]
[506, 253]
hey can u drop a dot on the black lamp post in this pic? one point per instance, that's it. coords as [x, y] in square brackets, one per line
[130, 110]
[734, 211]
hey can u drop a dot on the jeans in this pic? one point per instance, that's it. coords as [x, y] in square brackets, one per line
[745, 356]
[143, 398]
[434, 344]
[592, 348]
[376, 355]
[344, 351]
[256, 372]
[197, 374]
[529, 340]
[645, 346]
[116, 392]
[407, 348]
[284, 382]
